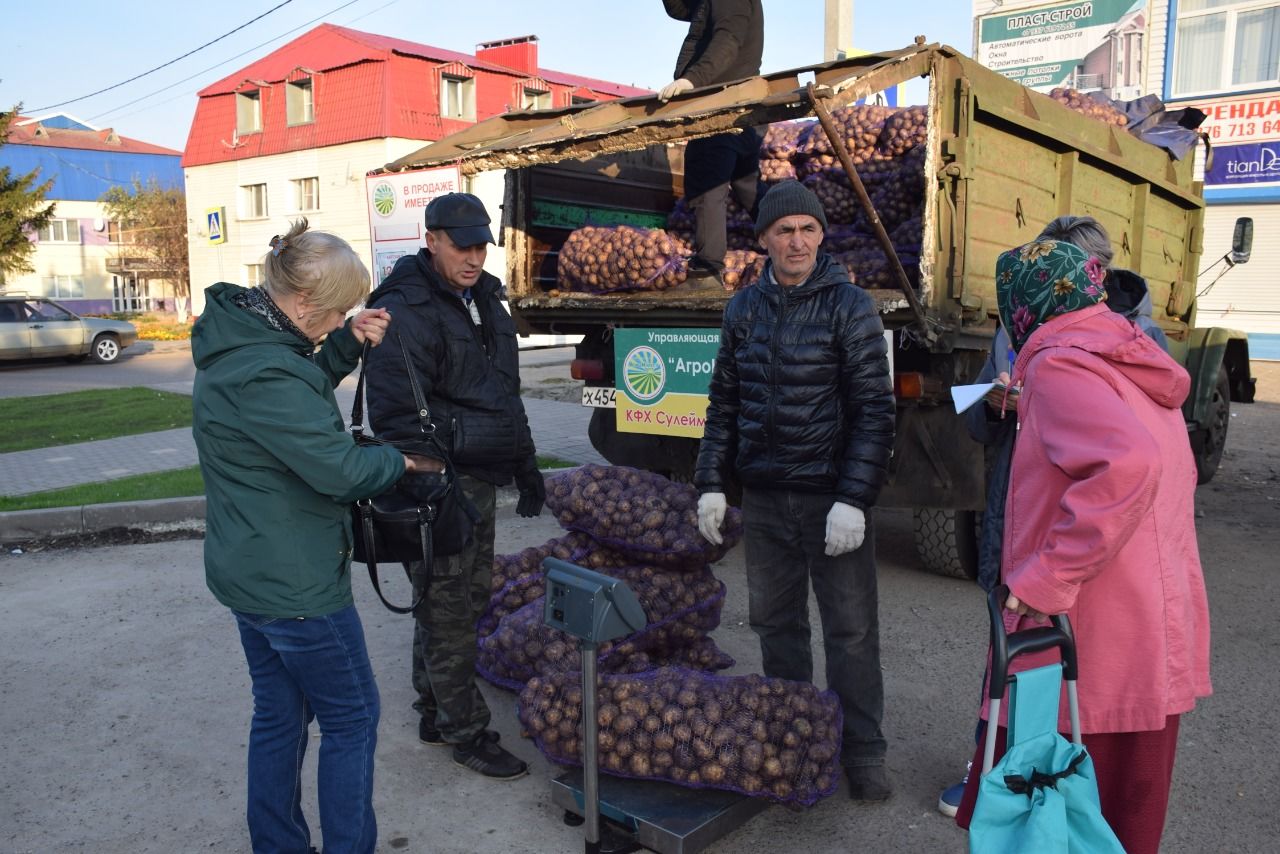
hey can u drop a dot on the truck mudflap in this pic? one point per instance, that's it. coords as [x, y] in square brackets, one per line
[1217, 360]
[935, 462]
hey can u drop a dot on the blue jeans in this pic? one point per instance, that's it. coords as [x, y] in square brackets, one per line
[315, 667]
[785, 538]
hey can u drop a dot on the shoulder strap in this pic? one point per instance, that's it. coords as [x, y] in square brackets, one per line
[419, 399]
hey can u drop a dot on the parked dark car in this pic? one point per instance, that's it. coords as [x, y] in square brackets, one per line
[37, 328]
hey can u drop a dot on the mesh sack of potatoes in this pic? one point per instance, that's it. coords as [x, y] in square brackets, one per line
[775, 171]
[680, 609]
[604, 259]
[903, 131]
[518, 578]
[782, 139]
[857, 126]
[638, 513]
[1085, 105]
[762, 737]
[742, 267]
[870, 269]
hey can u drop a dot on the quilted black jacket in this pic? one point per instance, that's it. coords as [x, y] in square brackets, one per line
[470, 375]
[801, 397]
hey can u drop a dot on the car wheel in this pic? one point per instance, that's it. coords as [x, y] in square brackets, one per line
[106, 348]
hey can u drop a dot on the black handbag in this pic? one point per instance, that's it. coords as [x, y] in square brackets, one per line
[424, 515]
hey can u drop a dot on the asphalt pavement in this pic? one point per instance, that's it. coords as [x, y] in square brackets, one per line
[126, 702]
[559, 430]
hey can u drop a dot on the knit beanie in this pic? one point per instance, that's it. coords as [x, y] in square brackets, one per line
[789, 198]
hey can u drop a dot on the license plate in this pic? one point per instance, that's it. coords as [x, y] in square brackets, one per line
[598, 395]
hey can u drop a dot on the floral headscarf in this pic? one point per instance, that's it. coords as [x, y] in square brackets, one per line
[1043, 279]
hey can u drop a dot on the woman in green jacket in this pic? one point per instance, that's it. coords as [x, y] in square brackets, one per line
[280, 474]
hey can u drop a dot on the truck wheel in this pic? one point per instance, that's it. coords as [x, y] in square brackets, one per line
[1208, 443]
[947, 541]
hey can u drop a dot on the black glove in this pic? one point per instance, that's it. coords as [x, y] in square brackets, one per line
[533, 492]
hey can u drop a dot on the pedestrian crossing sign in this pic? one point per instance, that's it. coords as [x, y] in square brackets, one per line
[215, 219]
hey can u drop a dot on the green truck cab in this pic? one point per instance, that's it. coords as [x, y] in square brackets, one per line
[1000, 161]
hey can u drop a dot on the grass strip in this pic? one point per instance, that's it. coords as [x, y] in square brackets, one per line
[177, 483]
[49, 420]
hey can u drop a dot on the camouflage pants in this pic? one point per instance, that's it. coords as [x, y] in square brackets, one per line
[444, 632]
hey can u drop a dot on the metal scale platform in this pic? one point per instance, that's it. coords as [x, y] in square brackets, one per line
[660, 816]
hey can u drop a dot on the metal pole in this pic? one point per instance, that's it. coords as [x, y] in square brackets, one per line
[590, 748]
[886, 243]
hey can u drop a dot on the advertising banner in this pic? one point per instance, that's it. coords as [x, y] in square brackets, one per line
[1245, 133]
[663, 377]
[397, 204]
[1089, 45]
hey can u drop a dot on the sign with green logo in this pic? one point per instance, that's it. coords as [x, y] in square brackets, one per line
[1088, 45]
[663, 376]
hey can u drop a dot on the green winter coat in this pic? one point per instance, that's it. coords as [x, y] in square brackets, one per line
[280, 471]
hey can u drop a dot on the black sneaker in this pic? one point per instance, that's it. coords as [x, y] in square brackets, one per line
[868, 783]
[427, 734]
[483, 755]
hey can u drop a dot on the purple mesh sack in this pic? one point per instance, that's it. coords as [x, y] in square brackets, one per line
[762, 737]
[681, 610]
[639, 514]
[518, 579]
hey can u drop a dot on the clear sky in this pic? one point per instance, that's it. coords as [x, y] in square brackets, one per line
[58, 51]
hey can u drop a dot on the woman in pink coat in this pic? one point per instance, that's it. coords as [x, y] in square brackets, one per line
[1101, 525]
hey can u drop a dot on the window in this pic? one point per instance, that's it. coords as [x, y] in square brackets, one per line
[1225, 45]
[536, 100]
[457, 98]
[64, 287]
[306, 194]
[253, 201]
[578, 99]
[300, 104]
[254, 275]
[248, 111]
[61, 231]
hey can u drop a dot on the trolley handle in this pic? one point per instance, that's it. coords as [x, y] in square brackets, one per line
[1006, 647]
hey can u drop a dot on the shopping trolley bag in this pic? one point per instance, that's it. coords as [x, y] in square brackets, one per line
[1042, 796]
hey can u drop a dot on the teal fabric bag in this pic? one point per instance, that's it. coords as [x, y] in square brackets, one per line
[1042, 796]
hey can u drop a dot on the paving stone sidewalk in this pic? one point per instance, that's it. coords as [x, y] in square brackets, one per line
[559, 430]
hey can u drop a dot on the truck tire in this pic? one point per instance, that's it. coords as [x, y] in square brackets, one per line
[1208, 443]
[947, 541]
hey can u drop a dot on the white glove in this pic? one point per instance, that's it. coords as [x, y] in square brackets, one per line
[675, 87]
[711, 510]
[846, 528]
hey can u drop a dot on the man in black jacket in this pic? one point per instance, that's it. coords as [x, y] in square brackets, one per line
[802, 409]
[462, 343]
[725, 42]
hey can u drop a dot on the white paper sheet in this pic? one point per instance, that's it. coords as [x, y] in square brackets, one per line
[966, 396]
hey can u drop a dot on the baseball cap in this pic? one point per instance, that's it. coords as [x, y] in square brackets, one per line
[463, 216]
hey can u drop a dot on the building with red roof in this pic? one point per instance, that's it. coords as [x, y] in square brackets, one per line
[294, 133]
[80, 259]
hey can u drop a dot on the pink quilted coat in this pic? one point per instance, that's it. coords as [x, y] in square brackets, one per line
[1100, 519]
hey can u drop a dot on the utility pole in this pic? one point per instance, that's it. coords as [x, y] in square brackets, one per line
[837, 30]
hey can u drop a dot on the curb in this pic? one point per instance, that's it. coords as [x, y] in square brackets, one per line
[154, 516]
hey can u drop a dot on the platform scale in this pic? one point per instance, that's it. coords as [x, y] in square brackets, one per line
[665, 818]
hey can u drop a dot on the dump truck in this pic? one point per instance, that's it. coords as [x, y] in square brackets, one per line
[999, 162]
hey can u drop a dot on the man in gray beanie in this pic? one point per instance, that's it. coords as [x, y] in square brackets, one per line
[802, 411]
